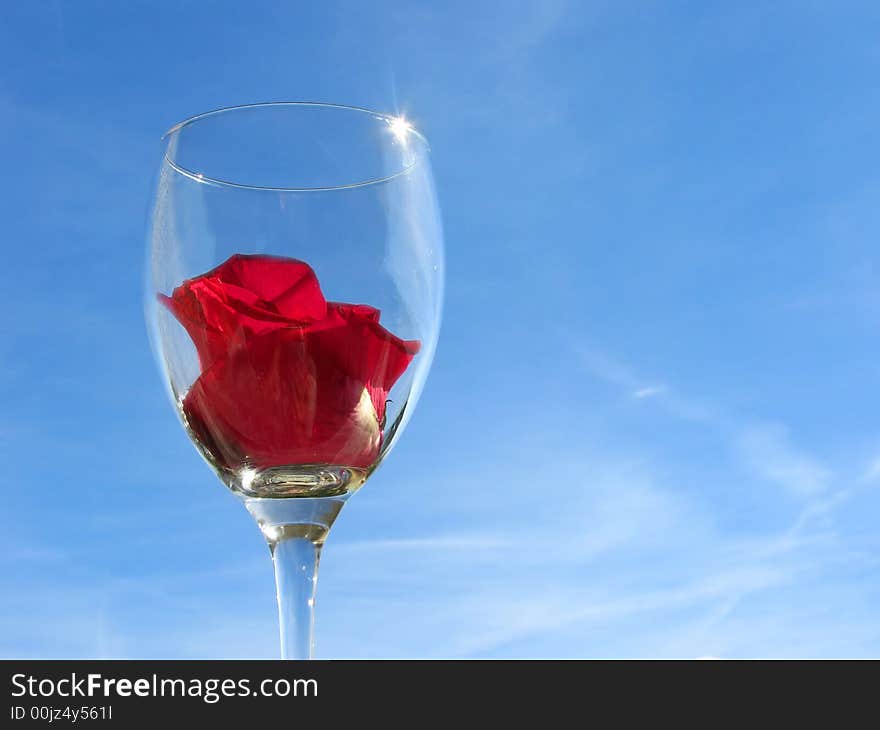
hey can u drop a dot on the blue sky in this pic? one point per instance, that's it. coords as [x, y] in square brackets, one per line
[651, 427]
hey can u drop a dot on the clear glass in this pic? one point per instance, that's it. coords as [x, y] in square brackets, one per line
[294, 286]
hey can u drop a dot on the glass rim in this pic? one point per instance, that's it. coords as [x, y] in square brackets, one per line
[389, 119]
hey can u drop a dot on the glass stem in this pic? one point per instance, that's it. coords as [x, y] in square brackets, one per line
[296, 579]
[295, 529]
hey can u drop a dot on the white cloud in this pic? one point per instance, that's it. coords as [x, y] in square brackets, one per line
[648, 392]
[463, 541]
[768, 451]
[872, 473]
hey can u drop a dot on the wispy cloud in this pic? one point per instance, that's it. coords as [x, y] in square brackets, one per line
[621, 552]
[529, 26]
[765, 448]
[872, 472]
[646, 557]
[648, 392]
[464, 541]
[768, 451]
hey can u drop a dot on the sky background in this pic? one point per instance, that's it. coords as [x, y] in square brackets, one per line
[653, 423]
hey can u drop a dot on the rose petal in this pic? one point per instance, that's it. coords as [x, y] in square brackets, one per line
[276, 402]
[221, 309]
[288, 284]
[354, 311]
[362, 347]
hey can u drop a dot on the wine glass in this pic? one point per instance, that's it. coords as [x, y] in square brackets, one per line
[294, 286]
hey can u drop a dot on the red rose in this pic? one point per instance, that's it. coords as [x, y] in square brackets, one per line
[287, 377]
